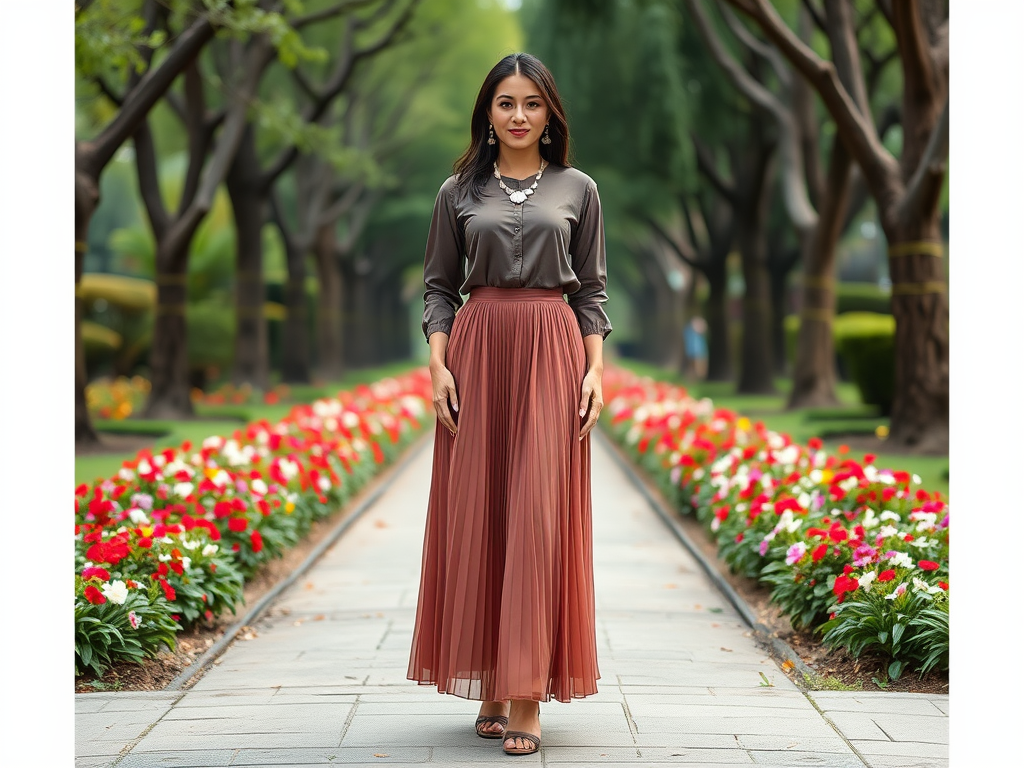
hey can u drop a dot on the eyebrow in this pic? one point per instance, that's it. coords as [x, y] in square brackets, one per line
[506, 96]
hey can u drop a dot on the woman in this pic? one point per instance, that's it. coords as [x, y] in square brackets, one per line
[506, 601]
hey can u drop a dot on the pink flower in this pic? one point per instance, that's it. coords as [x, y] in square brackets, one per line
[134, 620]
[795, 552]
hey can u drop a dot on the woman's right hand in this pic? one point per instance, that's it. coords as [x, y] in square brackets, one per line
[444, 392]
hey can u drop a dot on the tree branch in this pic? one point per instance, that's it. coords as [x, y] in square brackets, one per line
[706, 165]
[815, 15]
[926, 183]
[149, 180]
[915, 49]
[794, 189]
[141, 98]
[758, 46]
[683, 250]
[879, 167]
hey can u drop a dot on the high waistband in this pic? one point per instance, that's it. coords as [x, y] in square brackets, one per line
[515, 294]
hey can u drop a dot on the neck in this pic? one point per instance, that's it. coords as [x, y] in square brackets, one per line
[519, 163]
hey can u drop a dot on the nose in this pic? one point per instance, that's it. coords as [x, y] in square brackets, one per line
[519, 117]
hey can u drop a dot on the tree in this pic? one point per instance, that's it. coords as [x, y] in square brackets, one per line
[906, 190]
[250, 178]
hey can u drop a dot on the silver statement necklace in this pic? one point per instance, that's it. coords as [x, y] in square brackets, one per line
[518, 196]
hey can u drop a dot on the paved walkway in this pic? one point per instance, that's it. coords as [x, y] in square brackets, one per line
[321, 681]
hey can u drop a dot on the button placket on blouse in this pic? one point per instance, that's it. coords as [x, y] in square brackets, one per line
[517, 238]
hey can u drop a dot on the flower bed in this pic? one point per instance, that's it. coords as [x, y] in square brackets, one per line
[116, 398]
[173, 536]
[855, 552]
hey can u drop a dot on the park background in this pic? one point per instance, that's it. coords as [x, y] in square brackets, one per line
[400, 221]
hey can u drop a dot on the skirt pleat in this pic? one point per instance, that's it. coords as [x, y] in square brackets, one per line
[506, 599]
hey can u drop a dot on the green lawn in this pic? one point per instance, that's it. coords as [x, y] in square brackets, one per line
[215, 420]
[851, 417]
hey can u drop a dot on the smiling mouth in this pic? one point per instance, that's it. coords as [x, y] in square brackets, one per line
[519, 131]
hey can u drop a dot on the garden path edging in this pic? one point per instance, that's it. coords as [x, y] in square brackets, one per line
[780, 648]
[231, 633]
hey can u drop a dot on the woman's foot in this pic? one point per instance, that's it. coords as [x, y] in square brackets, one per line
[524, 717]
[496, 718]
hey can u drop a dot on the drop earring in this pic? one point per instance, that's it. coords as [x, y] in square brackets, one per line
[490, 134]
[546, 138]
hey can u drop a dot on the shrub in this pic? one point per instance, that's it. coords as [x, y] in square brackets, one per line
[862, 297]
[866, 342]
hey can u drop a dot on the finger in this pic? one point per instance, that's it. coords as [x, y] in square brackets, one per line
[585, 400]
[444, 415]
[595, 413]
[454, 398]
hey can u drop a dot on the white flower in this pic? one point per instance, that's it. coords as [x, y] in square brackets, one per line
[916, 479]
[186, 562]
[351, 420]
[163, 558]
[324, 483]
[698, 473]
[289, 469]
[848, 484]
[741, 507]
[210, 550]
[137, 516]
[816, 476]
[865, 580]
[126, 474]
[804, 500]
[888, 530]
[901, 559]
[923, 542]
[183, 489]
[259, 487]
[116, 592]
[890, 515]
[145, 467]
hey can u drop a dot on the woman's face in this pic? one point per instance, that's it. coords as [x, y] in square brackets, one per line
[518, 112]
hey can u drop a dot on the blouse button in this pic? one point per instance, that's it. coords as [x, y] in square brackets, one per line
[517, 229]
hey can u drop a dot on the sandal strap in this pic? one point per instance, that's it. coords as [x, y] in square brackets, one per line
[523, 735]
[490, 720]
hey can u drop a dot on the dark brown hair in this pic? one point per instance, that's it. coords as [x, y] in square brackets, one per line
[477, 163]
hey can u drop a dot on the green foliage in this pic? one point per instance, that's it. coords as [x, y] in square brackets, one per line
[866, 341]
[862, 297]
[104, 633]
[910, 630]
[211, 332]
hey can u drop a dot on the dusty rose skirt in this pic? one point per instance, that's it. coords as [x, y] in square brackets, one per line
[506, 600]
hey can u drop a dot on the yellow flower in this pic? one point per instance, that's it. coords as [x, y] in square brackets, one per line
[881, 431]
[743, 423]
[289, 507]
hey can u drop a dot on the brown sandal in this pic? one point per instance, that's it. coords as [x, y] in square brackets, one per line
[490, 720]
[535, 740]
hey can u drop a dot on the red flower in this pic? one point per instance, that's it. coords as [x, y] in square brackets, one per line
[944, 585]
[378, 454]
[819, 552]
[739, 537]
[169, 592]
[238, 524]
[815, 443]
[927, 565]
[257, 541]
[145, 542]
[844, 584]
[94, 596]
[94, 572]
[887, 575]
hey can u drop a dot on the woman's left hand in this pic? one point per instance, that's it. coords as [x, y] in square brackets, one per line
[591, 401]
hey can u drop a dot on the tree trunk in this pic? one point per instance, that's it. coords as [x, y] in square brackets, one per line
[249, 201]
[814, 375]
[87, 198]
[756, 363]
[716, 312]
[777, 285]
[330, 364]
[170, 394]
[920, 409]
[295, 366]
[357, 328]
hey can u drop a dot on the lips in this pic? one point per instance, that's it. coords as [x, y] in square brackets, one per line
[519, 132]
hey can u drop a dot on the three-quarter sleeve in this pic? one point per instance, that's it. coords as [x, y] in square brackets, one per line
[588, 262]
[442, 266]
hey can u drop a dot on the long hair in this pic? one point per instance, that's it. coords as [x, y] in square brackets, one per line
[476, 164]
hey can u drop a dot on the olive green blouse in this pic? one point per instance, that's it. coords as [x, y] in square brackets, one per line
[553, 240]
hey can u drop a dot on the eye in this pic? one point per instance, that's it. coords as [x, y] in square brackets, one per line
[534, 105]
[504, 104]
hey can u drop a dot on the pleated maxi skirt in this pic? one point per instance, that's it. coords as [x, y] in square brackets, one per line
[506, 598]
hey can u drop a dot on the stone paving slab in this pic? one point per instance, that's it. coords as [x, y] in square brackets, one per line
[683, 681]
